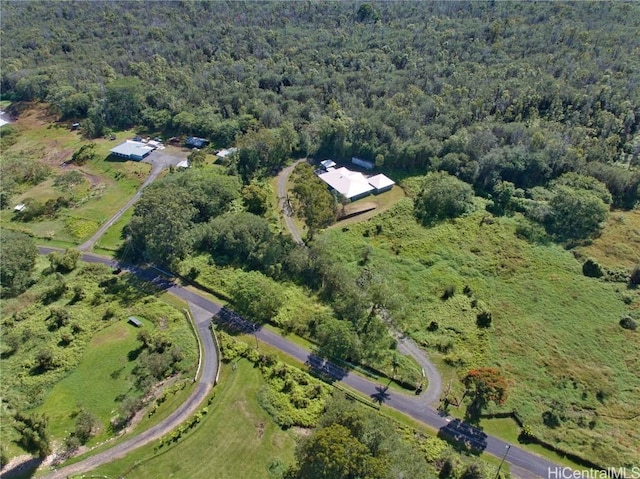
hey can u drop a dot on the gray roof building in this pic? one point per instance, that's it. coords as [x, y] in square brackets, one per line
[132, 150]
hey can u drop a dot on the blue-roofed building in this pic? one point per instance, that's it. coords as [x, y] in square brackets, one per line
[195, 142]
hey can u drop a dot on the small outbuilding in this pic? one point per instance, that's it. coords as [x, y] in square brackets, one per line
[367, 165]
[195, 142]
[135, 321]
[326, 164]
[222, 154]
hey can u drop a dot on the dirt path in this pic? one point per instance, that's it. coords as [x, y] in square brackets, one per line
[284, 201]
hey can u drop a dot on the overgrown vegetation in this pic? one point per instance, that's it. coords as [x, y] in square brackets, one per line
[47, 337]
[551, 328]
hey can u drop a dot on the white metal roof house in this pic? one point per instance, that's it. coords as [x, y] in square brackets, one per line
[350, 184]
[132, 150]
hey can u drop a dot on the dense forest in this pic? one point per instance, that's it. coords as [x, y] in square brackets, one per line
[489, 92]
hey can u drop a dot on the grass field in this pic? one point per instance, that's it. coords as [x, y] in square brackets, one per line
[102, 376]
[553, 330]
[236, 439]
[93, 349]
[108, 184]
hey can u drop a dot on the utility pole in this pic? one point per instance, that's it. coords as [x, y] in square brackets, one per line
[502, 462]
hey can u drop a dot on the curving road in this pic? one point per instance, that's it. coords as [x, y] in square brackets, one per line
[523, 463]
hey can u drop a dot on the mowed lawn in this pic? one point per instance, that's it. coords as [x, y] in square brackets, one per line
[554, 332]
[102, 376]
[237, 439]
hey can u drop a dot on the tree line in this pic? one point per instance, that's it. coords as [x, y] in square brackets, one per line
[488, 92]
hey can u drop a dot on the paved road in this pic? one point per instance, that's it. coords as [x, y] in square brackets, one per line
[283, 176]
[523, 463]
[434, 387]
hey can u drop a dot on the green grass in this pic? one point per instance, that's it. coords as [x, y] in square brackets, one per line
[236, 439]
[112, 240]
[553, 329]
[109, 184]
[90, 352]
[102, 375]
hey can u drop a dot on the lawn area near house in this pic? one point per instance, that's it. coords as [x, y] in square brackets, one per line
[237, 438]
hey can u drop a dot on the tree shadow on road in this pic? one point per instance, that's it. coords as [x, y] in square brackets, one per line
[381, 396]
[24, 469]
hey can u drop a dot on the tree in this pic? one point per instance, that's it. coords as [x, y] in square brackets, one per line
[85, 426]
[255, 198]
[337, 339]
[257, 297]
[45, 359]
[334, 453]
[160, 227]
[66, 262]
[484, 385]
[241, 237]
[17, 260]
[317, 205]
[84, 154]
[197, 158]
[34, 434]
[592, 269]
[366, 13]
[576, 214]
[442, 196]
[124, 102]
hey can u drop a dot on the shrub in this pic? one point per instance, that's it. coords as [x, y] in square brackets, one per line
[628, 323]
[483, 319]
[449, 292]
[592, 269]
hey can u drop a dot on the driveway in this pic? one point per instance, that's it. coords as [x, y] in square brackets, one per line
[159, 161]
[284, 201]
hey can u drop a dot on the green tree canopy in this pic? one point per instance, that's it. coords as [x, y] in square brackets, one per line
[257, 297]
[18, 257]
[334, 453]
[317, 205]
[442, 196]
[576, 213]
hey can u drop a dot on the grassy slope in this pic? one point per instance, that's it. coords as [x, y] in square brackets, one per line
[109, 183]
[99, 379]
[237, 438]
[553, 329]
[84, 377]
